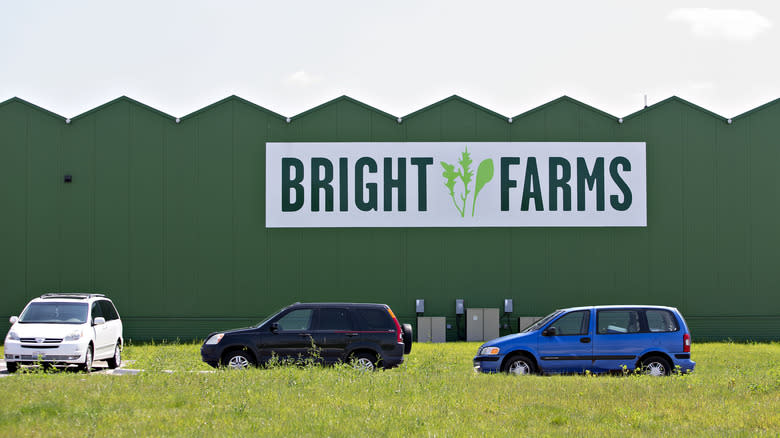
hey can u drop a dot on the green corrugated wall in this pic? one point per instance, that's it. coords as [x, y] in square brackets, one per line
[167, 218]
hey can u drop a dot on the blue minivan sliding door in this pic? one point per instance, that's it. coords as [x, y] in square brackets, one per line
[618, 337]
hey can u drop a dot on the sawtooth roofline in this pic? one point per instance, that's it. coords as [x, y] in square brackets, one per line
[234, 98]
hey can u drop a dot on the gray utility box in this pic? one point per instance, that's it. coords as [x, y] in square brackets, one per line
[481, 324]
[523, 322]
[431, 329]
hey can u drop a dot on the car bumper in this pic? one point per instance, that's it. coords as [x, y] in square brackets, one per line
[210, 354]
[487, 364]
[25, 353]
[684, 366]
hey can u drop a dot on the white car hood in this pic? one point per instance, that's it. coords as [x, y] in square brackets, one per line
[45, 330]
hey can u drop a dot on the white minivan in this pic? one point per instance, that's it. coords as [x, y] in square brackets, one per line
[65, 329]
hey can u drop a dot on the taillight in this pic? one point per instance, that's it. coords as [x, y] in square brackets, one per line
[686, 343]
[398, 332]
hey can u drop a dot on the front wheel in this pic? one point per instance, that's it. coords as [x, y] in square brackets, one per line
[656, 366]
[11, 367]
[237, 360]
[115, 361]
[87, 365]
[519, 365]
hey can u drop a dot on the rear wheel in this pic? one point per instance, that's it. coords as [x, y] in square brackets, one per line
[237, 360]
[115, 361]
[364, 362]
[520, 365]
[656, 366]
[11, 367]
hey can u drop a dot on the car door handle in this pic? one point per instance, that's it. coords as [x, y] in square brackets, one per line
[352, 334]
[304, 334]
[585, 340]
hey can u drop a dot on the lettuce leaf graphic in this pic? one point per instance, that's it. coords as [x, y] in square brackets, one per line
[484, 175]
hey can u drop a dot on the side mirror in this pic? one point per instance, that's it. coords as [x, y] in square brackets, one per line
[274, 327]
[13, 319]
[550, 331]
[99, 320]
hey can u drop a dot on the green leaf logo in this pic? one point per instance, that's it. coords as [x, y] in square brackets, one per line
[465, 174]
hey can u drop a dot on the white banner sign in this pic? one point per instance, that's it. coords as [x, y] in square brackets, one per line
[456, 184]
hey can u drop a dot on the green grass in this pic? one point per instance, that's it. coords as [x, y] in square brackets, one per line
[734, 391]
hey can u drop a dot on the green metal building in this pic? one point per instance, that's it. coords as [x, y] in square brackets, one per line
[167, 217]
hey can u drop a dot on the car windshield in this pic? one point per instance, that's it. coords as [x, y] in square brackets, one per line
[265, 320]
[55, 313]
[538, 324]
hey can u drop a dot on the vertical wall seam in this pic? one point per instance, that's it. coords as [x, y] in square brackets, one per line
[93, 201]
[60, 202]
[233, 178]
[28, 183]
[749, 198]
[130, 141]
[197, 238]
[715, 183]
[683, 209]
[164, 127]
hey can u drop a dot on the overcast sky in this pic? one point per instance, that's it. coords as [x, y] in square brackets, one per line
[400, 56]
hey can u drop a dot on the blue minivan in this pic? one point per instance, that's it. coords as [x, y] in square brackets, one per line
[599, 339]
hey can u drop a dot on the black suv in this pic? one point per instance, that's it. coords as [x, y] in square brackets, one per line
[368, 334]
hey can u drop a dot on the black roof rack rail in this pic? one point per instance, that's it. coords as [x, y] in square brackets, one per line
[72, 296]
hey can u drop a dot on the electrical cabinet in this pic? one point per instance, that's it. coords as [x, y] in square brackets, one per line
[524, 322]
[481, 324]
[431, 329]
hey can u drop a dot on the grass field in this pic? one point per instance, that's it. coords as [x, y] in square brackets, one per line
[735, 391]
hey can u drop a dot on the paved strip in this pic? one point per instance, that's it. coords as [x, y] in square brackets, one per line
[100, 367]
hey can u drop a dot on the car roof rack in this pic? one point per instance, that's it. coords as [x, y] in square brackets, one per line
[70, 296]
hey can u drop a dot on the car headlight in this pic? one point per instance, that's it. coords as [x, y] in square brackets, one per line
[215, 339]
[489, 351]
[13, 336]
[74, 336]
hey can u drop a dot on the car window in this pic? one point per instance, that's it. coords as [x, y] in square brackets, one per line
[109, 312]
[55, 313]
[661, 321]
[618, 321]
[574, 323]
[97, 311]
[333, 319]
[299, 319]
[373, 319]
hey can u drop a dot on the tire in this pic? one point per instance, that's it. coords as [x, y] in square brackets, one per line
[364, 362]
[519, 364]
[656, 366]
[11, 367]
[238, 360]
[116, 361]
[87, 365]
[407, 337]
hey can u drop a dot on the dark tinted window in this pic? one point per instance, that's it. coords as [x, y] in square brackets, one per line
[109, 312]
[373, 319]
[661, 321]
[97, 311]
[299, 319]
[618, 321]
[574, 323]
[333, 319]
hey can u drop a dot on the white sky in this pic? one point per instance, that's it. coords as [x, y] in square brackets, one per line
[508, 56]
